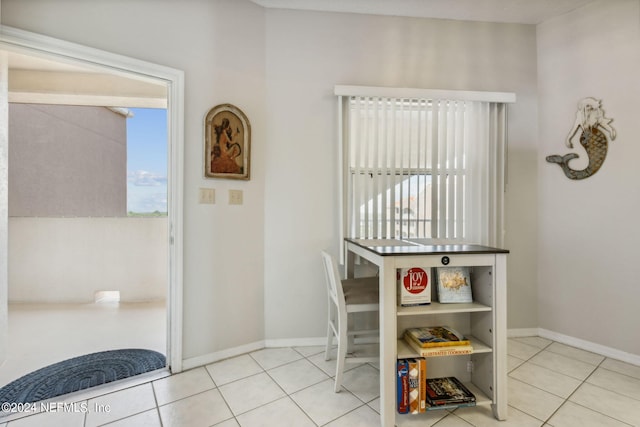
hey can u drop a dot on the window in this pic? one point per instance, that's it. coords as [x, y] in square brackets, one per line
[422, 166]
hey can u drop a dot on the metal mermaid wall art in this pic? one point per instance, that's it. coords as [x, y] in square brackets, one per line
[594, 128]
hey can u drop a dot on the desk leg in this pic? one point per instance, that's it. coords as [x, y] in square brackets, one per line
[388, 342]
[350, 265]
[500, 338]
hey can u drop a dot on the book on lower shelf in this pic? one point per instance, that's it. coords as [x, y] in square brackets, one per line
[453, 284]
[436, 336]
[417, 385]
[402, 379]
[448, 392]
[411, 386]
[417, 394]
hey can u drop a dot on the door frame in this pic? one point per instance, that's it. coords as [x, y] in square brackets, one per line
[25, 42]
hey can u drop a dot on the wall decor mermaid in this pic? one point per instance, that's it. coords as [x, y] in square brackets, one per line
[593, 128]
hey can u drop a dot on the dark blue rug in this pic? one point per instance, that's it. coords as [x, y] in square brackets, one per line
[81, 373]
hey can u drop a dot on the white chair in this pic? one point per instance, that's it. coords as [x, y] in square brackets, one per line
[347, 297]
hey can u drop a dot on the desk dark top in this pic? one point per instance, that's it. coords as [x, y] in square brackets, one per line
[386, 247]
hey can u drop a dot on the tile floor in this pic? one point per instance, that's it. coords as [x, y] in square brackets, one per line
[550, 384]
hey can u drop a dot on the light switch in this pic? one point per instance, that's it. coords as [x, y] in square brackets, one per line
[207, 196]
[235, 197]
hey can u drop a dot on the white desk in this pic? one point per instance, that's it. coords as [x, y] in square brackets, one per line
[484, 319]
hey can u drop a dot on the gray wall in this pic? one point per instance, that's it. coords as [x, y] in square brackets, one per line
[589, 270]
[67, 161]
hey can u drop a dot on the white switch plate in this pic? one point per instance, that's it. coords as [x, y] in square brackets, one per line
[207, 196]
[235, 197]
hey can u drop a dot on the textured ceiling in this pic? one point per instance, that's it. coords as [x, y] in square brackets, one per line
[511, 11]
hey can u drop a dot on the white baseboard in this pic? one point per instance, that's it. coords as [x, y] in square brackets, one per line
[602, 350]
[207, 359]
[296, 342]
[523, 332]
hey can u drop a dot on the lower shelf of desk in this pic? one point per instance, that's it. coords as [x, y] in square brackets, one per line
[411, 419]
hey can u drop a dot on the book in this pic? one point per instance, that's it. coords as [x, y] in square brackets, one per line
[403, 386]
[450, 350]
[454, 284]
[414, 386]
[414, 286]
[436, 336]
[422, 366]
[448, 391]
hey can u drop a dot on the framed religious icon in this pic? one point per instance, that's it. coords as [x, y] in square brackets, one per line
[227, 143]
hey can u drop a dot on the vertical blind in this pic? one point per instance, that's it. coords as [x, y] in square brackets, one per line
[423, 167]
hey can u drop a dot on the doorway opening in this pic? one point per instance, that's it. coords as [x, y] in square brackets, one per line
[79, 76]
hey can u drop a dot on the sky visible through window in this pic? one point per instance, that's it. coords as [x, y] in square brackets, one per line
[147, 161]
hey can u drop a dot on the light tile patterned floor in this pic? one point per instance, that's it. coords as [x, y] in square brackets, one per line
[550, 384]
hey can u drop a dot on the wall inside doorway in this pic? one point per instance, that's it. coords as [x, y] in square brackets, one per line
[77, 257]
[68, 209]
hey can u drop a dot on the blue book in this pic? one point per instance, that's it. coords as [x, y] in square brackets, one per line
[403, 386]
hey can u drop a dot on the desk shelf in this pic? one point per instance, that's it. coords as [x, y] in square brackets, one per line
[414, 419]
[437, 308]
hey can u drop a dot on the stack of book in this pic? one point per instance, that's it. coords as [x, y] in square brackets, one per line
[432, 341]
[417, 394]
[412, 386]
[448, 393]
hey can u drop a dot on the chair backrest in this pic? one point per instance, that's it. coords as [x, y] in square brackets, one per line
[332, 279]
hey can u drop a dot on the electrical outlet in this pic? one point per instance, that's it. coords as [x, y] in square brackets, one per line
[207, 196]
[235, 197]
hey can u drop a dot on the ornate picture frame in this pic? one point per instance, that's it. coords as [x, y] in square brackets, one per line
[227, 143]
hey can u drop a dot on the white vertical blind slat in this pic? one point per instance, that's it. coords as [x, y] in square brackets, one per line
[451, 173]
[356, 179]
[366, 167]
[401, 165]
[384, 165]
[391, 176]
[421, 165]
[443, 140]
[374, 168]
[459, 175]
[434, 166]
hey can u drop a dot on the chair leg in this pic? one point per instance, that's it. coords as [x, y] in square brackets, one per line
[330, 334]
[342, 355]
[327, 348]
[351, 339]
